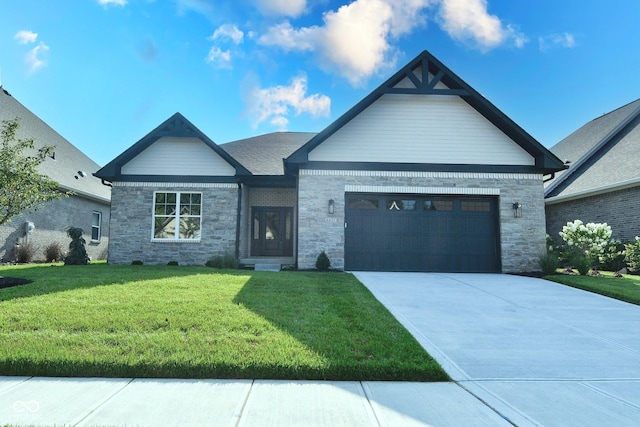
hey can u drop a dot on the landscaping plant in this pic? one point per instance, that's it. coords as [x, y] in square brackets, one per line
[632, 256]
[322, 262]
[77, 252]
[586, 243]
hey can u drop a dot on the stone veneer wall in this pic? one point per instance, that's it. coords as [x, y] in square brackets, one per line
[262, 196]
[131, 224]
[522, 239]
[619, 209]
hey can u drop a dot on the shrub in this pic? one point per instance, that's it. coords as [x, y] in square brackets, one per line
[549, 263]
[137, 262]
[77, 252]
[612, 256]
[25, 252]
[223, 261]
[53, 252]
[632, 256]
[322, 262]
[582, 263]
[590, 239]
[172, 263]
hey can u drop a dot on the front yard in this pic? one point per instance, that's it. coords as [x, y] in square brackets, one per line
[196, 322]
[625, 288]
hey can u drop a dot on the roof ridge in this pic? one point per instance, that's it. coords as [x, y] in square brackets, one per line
[613, 111]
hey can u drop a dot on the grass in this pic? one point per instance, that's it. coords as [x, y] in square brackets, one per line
[196, 322]
[626, 288]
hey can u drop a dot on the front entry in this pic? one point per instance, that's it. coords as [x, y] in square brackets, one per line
[271, 231]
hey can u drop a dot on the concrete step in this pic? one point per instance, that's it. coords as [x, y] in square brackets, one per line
[267, 267]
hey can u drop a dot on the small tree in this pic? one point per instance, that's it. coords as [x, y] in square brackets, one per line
[77, 252]
[322, 262]
[21, 186]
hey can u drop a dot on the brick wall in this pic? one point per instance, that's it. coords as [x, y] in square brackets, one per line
[620, 209]
[51, 222]
[522, 239]
[131, 224]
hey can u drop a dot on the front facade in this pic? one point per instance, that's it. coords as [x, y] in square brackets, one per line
[88, 208]
[424, 174]
[602, 182]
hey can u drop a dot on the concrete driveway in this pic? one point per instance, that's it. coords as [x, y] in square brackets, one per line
[537, 352]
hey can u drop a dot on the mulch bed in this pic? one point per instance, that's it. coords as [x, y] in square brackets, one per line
[7, 282]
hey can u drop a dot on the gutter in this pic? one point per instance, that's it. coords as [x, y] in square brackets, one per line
[594, 191]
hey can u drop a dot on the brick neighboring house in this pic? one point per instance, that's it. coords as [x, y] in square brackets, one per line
[602, 183]
[88, 209]
[423, 174]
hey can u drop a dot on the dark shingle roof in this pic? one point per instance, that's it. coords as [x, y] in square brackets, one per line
[603, 153]
[264, 154]
[69, 160]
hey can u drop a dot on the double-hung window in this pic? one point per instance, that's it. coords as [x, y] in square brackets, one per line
[96, 222]
[177, 216]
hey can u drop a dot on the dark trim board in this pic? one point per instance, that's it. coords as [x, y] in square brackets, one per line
[419, 167]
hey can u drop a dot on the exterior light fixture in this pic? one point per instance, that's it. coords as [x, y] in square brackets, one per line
[332, 207]
[517, 210]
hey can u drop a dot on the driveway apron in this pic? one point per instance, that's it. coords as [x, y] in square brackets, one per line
[537, 352]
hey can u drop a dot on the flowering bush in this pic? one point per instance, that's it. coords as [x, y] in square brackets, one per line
[633, 255]
[590, 239]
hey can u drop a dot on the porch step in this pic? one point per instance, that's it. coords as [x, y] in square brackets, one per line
[267, 267]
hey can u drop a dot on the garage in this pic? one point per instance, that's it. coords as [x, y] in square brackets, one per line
[399, 232]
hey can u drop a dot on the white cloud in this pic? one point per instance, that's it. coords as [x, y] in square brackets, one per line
[470, 21]
[565, 40]
[291, 8]
[219, 58]
[228, 31]
[354, 41]
[202, 7]
[34, 57]
[114, 2]
[274, 104]
[25, 37]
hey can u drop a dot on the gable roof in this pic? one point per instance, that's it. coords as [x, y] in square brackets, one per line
[68, 161]
[422, 84]
[264, 154]
[175, 126]
[603, 155]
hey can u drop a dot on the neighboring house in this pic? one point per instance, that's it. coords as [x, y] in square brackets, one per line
[88, 208]
[602, 183]
[423, 174]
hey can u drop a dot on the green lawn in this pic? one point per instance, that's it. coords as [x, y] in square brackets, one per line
[626, 288]
[197, 322]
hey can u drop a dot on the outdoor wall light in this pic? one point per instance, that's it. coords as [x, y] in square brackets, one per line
[332, 207]
[517, 210]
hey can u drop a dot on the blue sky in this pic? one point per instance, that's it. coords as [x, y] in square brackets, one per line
[104, 73]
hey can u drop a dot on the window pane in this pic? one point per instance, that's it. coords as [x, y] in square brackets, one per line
[95, 233]
[475, 205]
[401, 205]
[363, 204]
[95, 219]
[256, 226]
[287, 226]
[189, 228]
[438, 205]
[272, 226]
[165, 228]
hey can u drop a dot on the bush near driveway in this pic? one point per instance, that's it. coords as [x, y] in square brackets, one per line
[195, 322]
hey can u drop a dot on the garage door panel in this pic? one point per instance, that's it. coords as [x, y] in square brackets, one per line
[421, 233]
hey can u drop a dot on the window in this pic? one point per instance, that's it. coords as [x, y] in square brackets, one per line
[176, 216]
[401, 205]
[475, 206]
[96, 221]
[363, 204]
[438, 205]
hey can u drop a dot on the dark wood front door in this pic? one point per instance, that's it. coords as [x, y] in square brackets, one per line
[271, 231]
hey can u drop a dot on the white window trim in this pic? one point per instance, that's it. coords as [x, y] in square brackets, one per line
[153, 217]
[99, 226]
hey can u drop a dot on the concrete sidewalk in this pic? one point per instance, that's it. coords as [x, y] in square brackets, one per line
[33, 401]
[539, 353]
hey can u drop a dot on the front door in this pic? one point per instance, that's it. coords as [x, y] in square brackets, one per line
[271, 231]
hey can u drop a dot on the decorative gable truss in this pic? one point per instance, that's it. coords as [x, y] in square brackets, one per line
[425, 75]
[175, 151]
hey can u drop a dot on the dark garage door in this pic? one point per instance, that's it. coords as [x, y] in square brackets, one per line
[421, 233]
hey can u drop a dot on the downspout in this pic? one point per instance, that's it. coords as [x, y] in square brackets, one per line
[238, 219]
[107, 183]
[551, 177]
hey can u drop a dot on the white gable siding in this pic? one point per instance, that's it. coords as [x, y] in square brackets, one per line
[421, 129]
[178, 156]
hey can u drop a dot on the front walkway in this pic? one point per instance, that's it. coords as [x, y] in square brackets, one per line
[537, 352]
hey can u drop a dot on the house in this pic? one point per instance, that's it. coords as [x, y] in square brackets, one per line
[423, 174]
[88, 207]
[602, 183]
